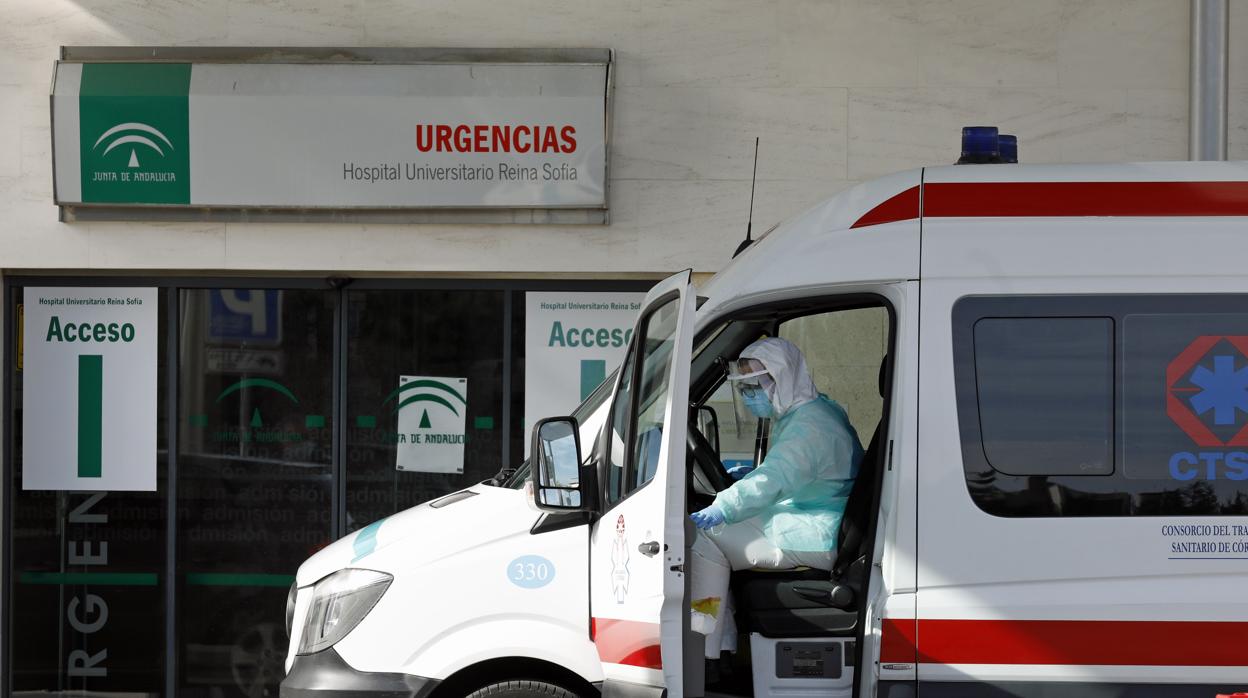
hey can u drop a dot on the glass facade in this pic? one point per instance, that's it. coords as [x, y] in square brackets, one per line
[448, 334]
[255, 479]
[85, 571]
[285, 400]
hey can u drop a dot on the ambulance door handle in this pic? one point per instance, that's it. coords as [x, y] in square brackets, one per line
[649, 549]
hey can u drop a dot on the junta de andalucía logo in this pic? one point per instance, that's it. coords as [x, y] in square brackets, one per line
[135, 135]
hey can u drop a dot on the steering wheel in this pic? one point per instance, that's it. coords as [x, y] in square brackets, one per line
[704, 455]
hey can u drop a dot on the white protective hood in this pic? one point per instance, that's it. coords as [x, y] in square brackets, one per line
[787, 366]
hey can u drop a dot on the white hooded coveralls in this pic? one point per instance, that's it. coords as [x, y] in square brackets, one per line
[786, 513]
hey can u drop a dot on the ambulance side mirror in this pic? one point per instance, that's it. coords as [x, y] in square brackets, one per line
[556, 455]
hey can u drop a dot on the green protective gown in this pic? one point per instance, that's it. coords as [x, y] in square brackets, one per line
[800, 490]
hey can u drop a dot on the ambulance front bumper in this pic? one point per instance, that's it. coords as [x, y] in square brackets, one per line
[326, 675]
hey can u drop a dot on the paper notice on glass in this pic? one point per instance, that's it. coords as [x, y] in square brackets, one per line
[432, 424]
[90, 395]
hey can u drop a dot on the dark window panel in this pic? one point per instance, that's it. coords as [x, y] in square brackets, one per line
[1176, 395]
[254, 479]
[441, 333]
[1046, 394]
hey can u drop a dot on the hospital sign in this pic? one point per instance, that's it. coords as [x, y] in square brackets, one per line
[89, 392]
[314, 136]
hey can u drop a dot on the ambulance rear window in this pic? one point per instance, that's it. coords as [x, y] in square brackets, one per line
[1097, 405]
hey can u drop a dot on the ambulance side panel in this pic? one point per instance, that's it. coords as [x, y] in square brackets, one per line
[1018, 602]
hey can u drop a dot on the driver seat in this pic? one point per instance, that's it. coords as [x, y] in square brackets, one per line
[809, 603]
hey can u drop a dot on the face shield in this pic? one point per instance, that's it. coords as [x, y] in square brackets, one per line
[750, 378]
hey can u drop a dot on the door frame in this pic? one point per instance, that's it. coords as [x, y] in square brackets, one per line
[897, 299]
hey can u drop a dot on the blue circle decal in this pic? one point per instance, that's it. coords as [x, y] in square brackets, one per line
[530, 571]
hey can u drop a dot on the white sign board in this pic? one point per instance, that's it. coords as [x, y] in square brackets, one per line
[572, 341]
[433, 414]
[89, 392]
[321, 136]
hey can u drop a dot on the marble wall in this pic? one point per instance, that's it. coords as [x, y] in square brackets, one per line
[839, 90]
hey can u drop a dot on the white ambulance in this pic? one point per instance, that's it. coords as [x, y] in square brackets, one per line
[1048, 369]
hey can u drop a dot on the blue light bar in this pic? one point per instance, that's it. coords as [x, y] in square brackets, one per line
[1008, 145]
[979, 145]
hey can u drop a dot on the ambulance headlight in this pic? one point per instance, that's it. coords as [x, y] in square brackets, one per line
[339, 602]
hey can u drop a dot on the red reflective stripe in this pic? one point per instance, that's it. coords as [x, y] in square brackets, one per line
[897, 640]
[1083, 642]
[1047, 199]
[627, 642]
[942, 641]
[650, 657]
[901, 207]
[979, 199]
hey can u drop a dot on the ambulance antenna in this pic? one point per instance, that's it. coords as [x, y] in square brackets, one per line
[749, 224]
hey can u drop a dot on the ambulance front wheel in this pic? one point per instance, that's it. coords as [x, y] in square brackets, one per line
[522, 689]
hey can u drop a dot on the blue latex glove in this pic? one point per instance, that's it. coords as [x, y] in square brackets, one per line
[708, 518]
[737, 472]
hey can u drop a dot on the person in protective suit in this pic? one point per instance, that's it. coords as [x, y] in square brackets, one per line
[785, 513]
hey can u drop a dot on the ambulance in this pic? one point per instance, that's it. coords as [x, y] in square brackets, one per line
[1047, 366]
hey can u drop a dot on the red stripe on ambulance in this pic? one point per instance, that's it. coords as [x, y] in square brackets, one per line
[630, 642]
[898, 641]
[1082, 642]
[1049, 199]
[1008, 199]
[902, 207]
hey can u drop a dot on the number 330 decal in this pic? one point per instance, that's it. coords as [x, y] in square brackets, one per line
[530, 571]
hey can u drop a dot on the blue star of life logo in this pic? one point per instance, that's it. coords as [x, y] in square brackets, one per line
[1223, 390]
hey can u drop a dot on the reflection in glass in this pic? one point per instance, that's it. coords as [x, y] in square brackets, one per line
[560, 464]
[453, 334]
[658, 343]
[561, 497]
[254, 453]
[619, 430]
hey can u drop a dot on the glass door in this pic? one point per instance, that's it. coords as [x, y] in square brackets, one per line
[425, 396]
[255, 482]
